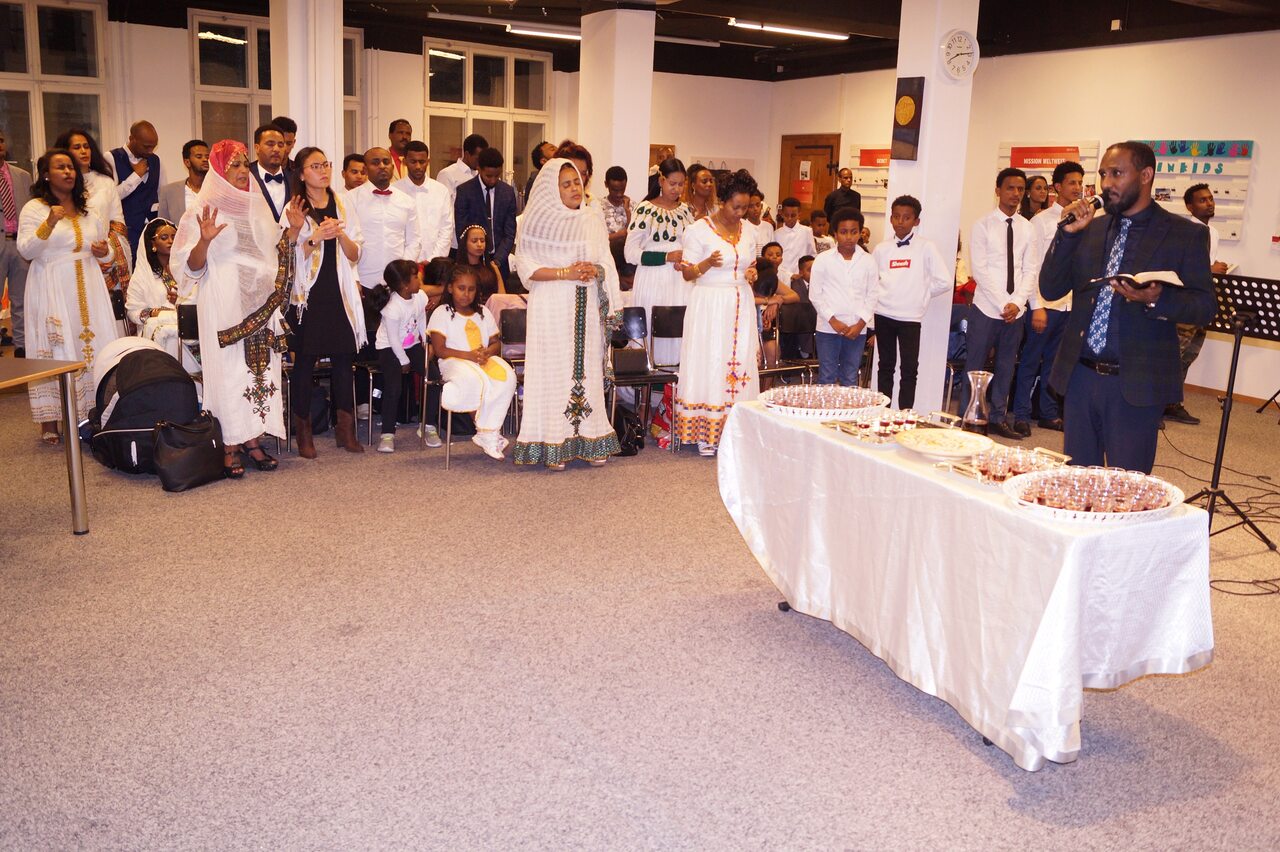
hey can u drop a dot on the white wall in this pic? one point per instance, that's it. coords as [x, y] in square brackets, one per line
[395, 89]
[153, 65]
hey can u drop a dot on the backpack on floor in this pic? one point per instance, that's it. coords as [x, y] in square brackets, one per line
[146, 387]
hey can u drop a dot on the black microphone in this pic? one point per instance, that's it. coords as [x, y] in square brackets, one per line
[1095, 203]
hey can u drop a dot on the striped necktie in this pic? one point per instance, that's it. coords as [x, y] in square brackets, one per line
[1102, 310]
[7, 205]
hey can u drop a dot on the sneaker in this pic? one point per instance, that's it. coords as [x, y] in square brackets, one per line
[432, 436]
[706, 450]
[1179, 414]
[362, 411]
[387, 444]
[487, 442]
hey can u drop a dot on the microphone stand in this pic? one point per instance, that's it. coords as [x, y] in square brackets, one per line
[1215, 491]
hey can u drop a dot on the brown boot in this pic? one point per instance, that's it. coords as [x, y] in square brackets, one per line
[345, 432]
[302, 432]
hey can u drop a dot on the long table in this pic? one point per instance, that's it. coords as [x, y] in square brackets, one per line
[21, 371]
[1005, 616]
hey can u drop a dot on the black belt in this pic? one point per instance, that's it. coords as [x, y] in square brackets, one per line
[1102, 368]
[9, 236]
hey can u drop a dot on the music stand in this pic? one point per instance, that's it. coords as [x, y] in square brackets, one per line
[1246, 306]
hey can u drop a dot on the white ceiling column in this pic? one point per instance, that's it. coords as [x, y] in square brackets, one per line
[936, 177]
[615, 95]
[306, 71]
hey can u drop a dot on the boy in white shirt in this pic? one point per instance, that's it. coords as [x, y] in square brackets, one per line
[822, 240]
[911, 274]
[796, 239]
[842, 291]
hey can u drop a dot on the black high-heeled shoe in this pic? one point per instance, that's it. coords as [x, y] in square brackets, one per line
[266, 462]
[232, 466]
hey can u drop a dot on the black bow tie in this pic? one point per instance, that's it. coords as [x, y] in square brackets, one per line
[278, 178]
[905, 242]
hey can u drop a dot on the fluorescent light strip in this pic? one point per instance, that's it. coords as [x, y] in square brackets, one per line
[544, 33]
[205, 35]
[776, 28]
[696, 42]
[444, 54]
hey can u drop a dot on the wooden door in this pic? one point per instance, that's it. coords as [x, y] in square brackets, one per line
[808, 169]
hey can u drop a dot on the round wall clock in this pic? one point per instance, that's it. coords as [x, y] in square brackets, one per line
[959, 53]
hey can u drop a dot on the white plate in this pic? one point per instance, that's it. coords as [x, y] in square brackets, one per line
[944, 444]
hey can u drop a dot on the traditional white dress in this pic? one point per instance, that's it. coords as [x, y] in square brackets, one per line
[240, 289]
[149, 291]
[653, 233]
[485, 390]
[68, 313]
[565, 416]
[103, 201]
[718, 353]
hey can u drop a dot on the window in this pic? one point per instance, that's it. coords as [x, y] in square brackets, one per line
[232, 74]
[352, 87]
[500, 94]
[51, 74]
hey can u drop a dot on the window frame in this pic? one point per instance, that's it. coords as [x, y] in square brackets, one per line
[252, 95]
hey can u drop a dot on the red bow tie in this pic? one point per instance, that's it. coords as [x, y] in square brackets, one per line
[382, 192]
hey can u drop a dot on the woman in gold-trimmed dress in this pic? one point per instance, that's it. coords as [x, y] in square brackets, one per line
[68, 314]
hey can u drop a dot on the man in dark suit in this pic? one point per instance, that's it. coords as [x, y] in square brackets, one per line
[843, 195]
[268, 170]
[15, 191]
[140, 177]
[486, 200]
[1118, 365]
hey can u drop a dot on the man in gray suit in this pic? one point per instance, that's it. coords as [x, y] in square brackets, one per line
[177, 196]
[15, 191]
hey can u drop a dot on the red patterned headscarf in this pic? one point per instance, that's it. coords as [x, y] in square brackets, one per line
[222, 153]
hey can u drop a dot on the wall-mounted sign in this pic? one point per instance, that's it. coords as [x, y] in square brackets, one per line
[870, 167]
[907, 109]
[1224, 164]
[873, 158]
[1040, 158]
[1043, 156]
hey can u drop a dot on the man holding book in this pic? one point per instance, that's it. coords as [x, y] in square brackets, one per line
[1118, 366]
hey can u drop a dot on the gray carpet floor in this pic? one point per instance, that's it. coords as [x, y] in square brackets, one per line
[371, 652]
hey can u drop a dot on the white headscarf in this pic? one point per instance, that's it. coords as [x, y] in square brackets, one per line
[552, 235]
[248, 243]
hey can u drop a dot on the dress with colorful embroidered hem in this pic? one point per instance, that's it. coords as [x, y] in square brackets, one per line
[565, 416]
[718, 353]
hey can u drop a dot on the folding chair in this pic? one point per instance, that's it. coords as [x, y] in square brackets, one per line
[635, 370]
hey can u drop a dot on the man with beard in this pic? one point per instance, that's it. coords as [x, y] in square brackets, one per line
[1118, 364]
[176, 197]
[273, 177]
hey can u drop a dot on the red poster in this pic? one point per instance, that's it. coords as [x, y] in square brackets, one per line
[802, 190]
[874, 158]
[1042, 157]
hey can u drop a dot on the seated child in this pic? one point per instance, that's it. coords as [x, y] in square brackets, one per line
[401, 341]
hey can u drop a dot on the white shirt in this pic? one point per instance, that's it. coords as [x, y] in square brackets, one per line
[764, 235]
[796, 242]
[825, 243]
[454, 176]
[435, 215]
[404, 325]
[843, 289]
[987, 255]
[910, 277]
[453, 326]
[1044, 227]
[133, 181]
[390, 225]
[1214, 236]
[275, 188]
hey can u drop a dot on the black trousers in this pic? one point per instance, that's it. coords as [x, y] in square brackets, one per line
[302, 382]
[893, 336]
[391, 384]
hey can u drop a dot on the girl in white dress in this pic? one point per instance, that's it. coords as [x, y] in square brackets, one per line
[104, 202]
[68, 314]
[653, 246]
[564, 259]
[231, 248]
[719, 350]
[152, 299]
[465, 339]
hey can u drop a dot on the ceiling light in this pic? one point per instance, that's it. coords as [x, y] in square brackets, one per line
[544, 32]
[444, 54]
[205, 35]
[776, 28]
[696, 42]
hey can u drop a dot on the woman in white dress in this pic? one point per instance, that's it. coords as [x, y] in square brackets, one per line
[230, 251]
[719, 350]
[104, 202]
[68, 314]
[151, 303]
[653, 245]
[564, 259]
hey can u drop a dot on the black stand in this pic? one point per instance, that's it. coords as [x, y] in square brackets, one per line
[1215, 492]
[1263, 407]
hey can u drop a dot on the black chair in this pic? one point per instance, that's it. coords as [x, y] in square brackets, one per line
[668, 324]
[513, 326]
[632, 365]
[800, 319]
[957, 353]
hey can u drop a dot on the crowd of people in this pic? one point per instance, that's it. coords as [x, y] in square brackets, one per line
[385, 265]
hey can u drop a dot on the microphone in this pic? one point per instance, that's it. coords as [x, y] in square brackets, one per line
[1095, 203]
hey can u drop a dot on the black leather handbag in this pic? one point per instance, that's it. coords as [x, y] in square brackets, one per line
[189, 455]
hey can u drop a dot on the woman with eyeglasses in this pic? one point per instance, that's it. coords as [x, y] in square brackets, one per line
[324, 311]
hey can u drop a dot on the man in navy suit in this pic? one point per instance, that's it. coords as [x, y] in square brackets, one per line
[1118, 365]
[486, 200]
[269, 170]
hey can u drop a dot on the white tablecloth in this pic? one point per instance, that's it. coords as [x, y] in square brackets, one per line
[1004, 616]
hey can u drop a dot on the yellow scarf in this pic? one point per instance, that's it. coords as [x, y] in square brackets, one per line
[492, 367]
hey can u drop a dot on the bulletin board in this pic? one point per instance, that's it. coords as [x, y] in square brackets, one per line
[1040, 158]
[1224, 164]
[870, 167]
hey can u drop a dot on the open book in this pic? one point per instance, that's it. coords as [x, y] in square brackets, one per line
[1143, 280]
